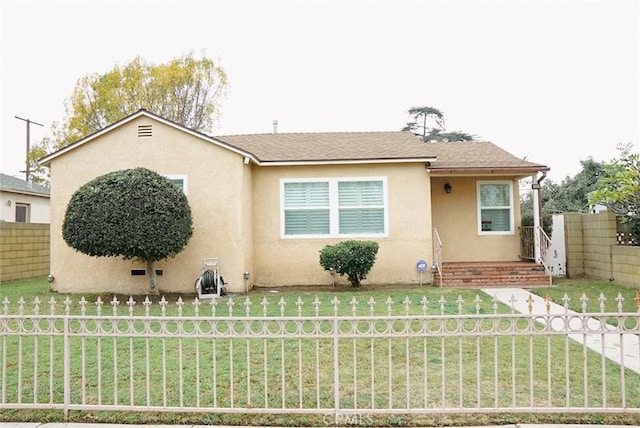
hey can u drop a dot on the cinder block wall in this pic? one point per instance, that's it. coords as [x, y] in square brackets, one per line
[592, 249]
[574, 244]
[626, 265]
[599, 232]
[24, 250]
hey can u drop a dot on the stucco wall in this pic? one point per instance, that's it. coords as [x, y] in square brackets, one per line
[293, 261]
[24, 250]
[456, 218]
[215, 180]
[592, 249]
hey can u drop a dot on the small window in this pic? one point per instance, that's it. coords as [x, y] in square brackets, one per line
[495, 207]
[22, 213]
[180, 181]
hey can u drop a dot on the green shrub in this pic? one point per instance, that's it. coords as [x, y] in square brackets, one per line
[352, 258]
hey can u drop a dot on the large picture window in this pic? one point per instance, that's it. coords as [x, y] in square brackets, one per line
[495, 207]
[334, 207]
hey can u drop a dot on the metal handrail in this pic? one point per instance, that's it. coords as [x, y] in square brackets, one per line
[532, 237]
[437, 254]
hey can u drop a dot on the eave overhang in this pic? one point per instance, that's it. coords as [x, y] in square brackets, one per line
[498, 171]
[344, 161]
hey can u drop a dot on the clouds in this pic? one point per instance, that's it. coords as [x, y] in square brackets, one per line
[553, 81]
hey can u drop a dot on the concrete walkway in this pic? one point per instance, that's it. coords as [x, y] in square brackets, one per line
[621, 348]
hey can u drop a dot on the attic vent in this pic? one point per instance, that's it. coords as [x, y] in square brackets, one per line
[144, 131]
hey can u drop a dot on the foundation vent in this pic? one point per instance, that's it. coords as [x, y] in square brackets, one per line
[145, 131]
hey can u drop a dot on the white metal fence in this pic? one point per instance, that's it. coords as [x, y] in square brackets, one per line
[247, 356]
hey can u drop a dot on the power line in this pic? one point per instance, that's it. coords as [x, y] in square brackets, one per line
[29, 122]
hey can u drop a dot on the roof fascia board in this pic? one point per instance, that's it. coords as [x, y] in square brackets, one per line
[23, 192]
[345, 162]
[489, 171]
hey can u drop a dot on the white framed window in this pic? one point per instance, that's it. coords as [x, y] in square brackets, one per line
[495, 207]
[179, 180]
[334, 207]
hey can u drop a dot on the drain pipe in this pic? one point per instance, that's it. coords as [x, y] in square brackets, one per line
[539, 188]
[537, 217]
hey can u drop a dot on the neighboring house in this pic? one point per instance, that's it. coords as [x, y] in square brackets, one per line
[22, 201]
[265, 205]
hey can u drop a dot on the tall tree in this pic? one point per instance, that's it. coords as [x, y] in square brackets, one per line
[428, 124]
[185, 90]
[572, 194]
[133, 214]
[619, 187]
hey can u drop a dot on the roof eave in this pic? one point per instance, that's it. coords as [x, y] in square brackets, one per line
[26, 192]
[345, 161]
[466, 171]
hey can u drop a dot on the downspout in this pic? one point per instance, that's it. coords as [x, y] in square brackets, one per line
[537, 217]
[544, 175]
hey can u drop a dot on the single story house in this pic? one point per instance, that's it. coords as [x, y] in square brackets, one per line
[265, 205]
[23, 201]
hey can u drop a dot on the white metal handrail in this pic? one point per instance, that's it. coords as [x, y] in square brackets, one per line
[413, 359]
[437, 254]
[535, 246]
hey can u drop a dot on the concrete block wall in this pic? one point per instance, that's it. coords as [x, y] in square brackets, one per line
[24, 250]
[592, 249]
[599, 231]
[574, 244]
[626, 265]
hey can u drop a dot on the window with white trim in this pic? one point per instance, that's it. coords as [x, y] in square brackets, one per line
[495, 207]
[180, 181]
[334, 207]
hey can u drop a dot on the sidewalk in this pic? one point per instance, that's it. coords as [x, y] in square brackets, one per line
[613, 343]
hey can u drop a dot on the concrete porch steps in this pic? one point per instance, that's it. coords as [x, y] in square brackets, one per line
[492, 274]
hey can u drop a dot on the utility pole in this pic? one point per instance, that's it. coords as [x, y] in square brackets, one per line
[29, 122]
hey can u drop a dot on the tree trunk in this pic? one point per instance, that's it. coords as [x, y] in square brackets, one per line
[153, 283]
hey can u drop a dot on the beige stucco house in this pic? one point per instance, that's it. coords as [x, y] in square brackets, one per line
[266, 204]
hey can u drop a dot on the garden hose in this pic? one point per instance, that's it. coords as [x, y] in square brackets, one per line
[208, 281]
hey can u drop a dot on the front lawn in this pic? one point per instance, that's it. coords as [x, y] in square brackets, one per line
[473, 375]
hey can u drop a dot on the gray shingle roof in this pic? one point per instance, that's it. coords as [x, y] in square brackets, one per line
[330, 146]
[361, 146]
[475, 155]
[18, 185]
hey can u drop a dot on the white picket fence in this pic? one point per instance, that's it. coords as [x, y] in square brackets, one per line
[329, 358]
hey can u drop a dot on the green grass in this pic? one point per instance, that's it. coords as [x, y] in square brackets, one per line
[592, 289]
[234, 369]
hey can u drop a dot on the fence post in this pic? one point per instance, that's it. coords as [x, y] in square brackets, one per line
[67, 367]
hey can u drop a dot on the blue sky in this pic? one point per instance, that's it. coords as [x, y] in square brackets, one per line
[551, 81]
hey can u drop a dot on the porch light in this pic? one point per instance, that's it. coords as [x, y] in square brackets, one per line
[448, 188]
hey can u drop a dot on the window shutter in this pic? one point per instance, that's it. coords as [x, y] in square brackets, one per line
[361, 207]
[306, 208]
